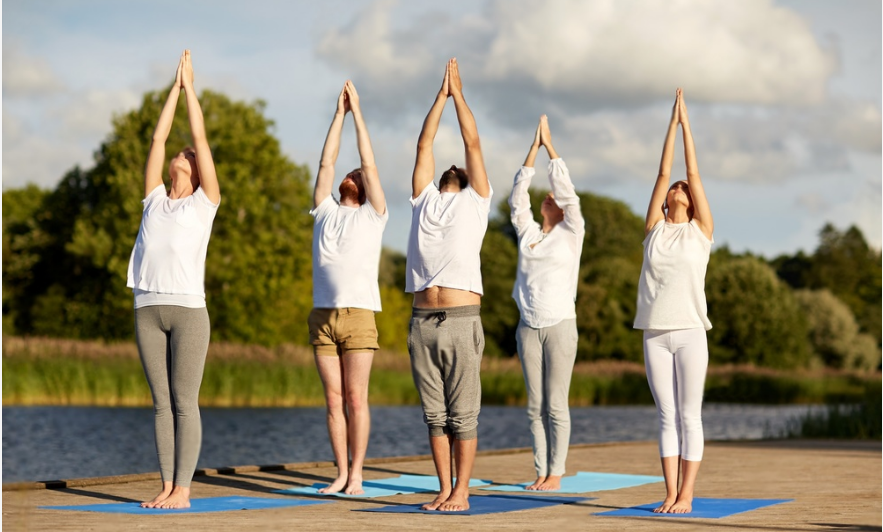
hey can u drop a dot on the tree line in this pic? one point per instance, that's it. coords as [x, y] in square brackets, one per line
[66, 252]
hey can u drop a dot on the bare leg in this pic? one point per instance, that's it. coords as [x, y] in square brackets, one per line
[163, 495]
[179, 498]
[357, 371]
[684, 504]
[441, 457]
[332, 380]
[552, 483]
[670, 472]
[465, 453]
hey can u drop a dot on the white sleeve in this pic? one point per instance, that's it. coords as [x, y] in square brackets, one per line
[565, 195]
[519, 201]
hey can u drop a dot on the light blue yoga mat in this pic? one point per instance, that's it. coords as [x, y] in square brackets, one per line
[484, 504]
[384, 487]
[197, 506]
[702, 508]
[585, 482]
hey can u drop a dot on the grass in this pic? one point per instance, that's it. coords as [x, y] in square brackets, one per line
[860, 420]
[41, 371]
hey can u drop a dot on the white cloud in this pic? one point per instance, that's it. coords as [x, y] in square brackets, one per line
[27, 76]
[592, 54]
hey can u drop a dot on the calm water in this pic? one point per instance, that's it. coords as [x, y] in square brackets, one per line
[47, 443]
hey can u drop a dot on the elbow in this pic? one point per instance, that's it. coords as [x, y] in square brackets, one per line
[471, 142]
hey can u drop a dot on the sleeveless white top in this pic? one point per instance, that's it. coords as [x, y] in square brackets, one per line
[346, 255]
[447, 229]
[169, 253]
[671, 290]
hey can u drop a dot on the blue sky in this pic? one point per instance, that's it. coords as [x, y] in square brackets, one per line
[784, 96]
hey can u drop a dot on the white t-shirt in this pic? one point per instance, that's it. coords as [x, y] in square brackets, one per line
[548, 264]
[346, 255]
[169, 252]
[671, 290]
[444, 246]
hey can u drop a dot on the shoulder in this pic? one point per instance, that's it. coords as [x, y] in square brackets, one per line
[701, 232]
[328, 205]
[429, 191]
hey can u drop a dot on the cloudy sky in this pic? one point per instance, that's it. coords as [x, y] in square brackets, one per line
[784, 96]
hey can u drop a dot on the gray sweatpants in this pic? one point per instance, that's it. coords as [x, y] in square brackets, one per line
[173, 342]
[446, 345]
[547, 356]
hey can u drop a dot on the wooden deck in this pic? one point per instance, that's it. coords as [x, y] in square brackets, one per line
[836, 486]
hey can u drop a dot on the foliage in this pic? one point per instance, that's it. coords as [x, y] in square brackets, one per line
[755, 317]
[81, 235]
[860, 421]
[845, 265]
[834, 333]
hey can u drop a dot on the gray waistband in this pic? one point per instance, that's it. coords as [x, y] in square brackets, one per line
[466, 311]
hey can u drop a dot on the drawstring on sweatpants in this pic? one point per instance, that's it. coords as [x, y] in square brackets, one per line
[440, 316]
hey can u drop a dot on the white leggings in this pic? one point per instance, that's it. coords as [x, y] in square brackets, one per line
[676, 362]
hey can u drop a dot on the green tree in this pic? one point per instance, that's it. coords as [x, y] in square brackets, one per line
[258, 269]
[834, 333]
[755, 316]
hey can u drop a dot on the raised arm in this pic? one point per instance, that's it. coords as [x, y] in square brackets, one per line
[562, 186]
[156, 156]
[474, 160]
[519, 199]
[325, 177]
[660, 189]
[370, 177]
[208, 179]
[701, 209]
[424, 167]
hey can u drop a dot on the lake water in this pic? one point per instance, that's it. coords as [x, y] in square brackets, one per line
[49, 443]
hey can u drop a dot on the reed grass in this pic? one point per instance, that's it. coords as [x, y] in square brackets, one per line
[42, 371]
[860, 420]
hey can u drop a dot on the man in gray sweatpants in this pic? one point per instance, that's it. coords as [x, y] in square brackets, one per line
[446, 339]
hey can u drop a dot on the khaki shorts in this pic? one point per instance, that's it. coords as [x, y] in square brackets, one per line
[335, 331]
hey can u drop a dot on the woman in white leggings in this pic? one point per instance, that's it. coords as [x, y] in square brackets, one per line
[545, 291]
[166, 272]
[672, 312]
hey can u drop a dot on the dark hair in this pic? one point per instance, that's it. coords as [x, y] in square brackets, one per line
[454, 175]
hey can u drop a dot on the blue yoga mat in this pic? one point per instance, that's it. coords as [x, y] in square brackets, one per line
[585, 482]
[484, 504]
[384, 487]
[197, 506]
[702, 508]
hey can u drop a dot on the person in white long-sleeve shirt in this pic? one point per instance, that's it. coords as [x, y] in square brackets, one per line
[545, 291]
[671, 310]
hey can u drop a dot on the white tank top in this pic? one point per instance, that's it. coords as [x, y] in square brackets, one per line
[671, 290]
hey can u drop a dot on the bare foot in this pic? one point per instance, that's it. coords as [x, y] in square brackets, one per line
[163, 495]
[354, 487]
[536, 484]
[179, 498]
[666, 505]
[442, 497]
[457, 502]
[335, 486]
[552, 483]
[683, 505]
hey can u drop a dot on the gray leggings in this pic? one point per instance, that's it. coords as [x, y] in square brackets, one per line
[446, 345]
[547, 356]
[173, 342]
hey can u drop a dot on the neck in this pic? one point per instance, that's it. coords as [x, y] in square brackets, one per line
[677, 215]
[349, 202]
[181, 189]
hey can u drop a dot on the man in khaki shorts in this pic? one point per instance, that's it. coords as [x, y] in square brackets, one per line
[346, 256]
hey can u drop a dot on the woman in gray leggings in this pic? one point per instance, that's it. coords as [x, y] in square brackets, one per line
[545, 291]
[166, 272]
